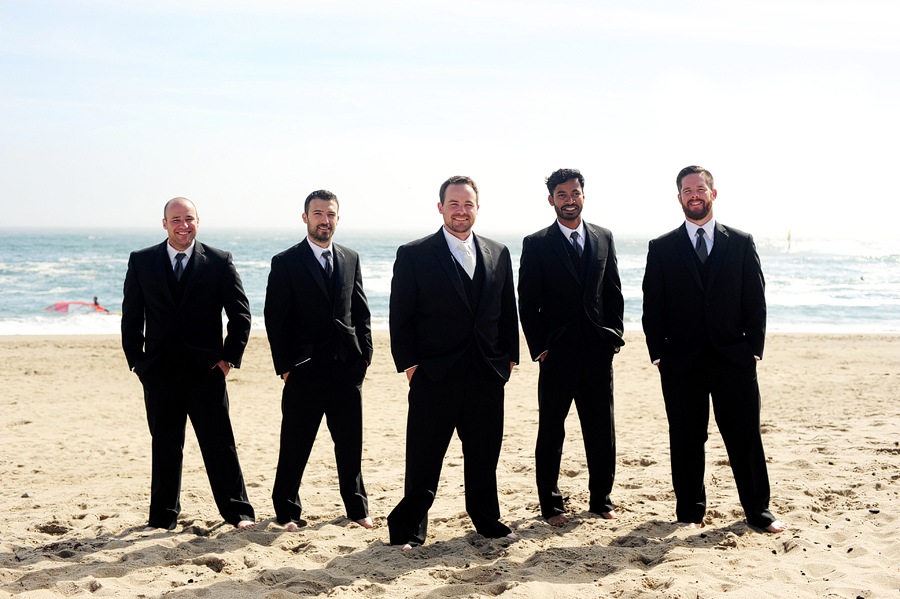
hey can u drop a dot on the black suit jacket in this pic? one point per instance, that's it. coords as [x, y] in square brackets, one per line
[431, 321]
[300, 315]
[552, 298]
[680, 314]
[151, 320]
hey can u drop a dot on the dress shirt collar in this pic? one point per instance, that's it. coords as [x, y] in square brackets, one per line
[173, 252]
[453, 241]
[567, 232]
[709, 228]
[317, 251]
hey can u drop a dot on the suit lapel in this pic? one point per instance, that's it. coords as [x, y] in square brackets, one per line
[720, 246]
[593, 244]
[159, 271]
[199, 261]
[687, 253]
[489, 261]
[448, 262]
[344, 272]
[312, 264]
[558, 242]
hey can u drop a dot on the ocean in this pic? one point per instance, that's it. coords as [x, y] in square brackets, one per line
[816, 285]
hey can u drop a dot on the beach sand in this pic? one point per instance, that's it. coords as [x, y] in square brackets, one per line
[75, 472]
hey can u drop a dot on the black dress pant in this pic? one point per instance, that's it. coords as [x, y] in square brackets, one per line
[736, 403]
[333, 388]
[175, 389]
[587, 378]
[469, 400]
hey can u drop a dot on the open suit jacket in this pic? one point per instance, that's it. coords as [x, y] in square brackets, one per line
[552, 298]
[431, 321]
[300, 316]
[151, 320]
[679, 313]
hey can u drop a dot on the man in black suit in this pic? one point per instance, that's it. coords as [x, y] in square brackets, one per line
[705, 325]
[172, 337]
[317, 321]
[455, 333]
[571, 307]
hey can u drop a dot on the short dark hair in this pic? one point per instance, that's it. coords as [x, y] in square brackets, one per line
[695, 170]
[320, 194]
[561, 176]
[459, 180]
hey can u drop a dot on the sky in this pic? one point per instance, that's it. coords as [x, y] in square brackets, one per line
[109, 108]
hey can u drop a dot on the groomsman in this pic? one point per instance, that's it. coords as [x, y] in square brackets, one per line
[455, 333]
[571, 307]
[317, 321]
[172, 336]
[705, 325]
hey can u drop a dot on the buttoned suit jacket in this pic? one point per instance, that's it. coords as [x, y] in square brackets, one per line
[431, 321]
[679, 312]
[552, 298]
[151, 320]
[300, 315]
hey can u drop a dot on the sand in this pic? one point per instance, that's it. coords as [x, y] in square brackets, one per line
[75, 472]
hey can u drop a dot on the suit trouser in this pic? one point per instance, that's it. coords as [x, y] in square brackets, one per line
[586, 378]
[736, 403]
[173, 392]
[329, 387]
[471, 402]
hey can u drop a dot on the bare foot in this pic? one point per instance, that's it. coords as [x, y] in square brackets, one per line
[405, 547]
[690, 524]
[365, 522]
[610, 515]
[512, 536]
[558, 520]
[777, 526]
[245, 524]
[290, 527]
[149, 528]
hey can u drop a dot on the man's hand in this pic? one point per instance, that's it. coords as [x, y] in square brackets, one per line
[410, 373]
[225, 366]
[511, 366]
[285, 375]
[543, 356]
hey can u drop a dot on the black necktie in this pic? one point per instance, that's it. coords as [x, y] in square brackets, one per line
[328, 268]
[578, 248]
[179, 268]
[700, 248]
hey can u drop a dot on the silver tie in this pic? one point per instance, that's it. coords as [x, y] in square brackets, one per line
[468, 262]
[578, 248]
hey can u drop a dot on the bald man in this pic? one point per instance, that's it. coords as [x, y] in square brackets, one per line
[172, 336]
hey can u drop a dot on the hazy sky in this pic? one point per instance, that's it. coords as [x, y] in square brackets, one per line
[109, 108]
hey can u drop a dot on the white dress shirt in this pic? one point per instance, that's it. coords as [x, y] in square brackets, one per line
[173, 252]
[453, 243]
[318, 250]
[709, 228]
[567, 232]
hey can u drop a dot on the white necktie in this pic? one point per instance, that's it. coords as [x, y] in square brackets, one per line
[468, 262]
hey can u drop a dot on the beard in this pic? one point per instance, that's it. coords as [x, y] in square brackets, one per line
[697, 213]
[463, 227]
[320, 235]
[563, 216]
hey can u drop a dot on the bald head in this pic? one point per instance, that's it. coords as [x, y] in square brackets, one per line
[178, 200]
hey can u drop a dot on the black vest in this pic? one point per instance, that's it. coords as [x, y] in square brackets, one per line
[579, 262]
[177, 287]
